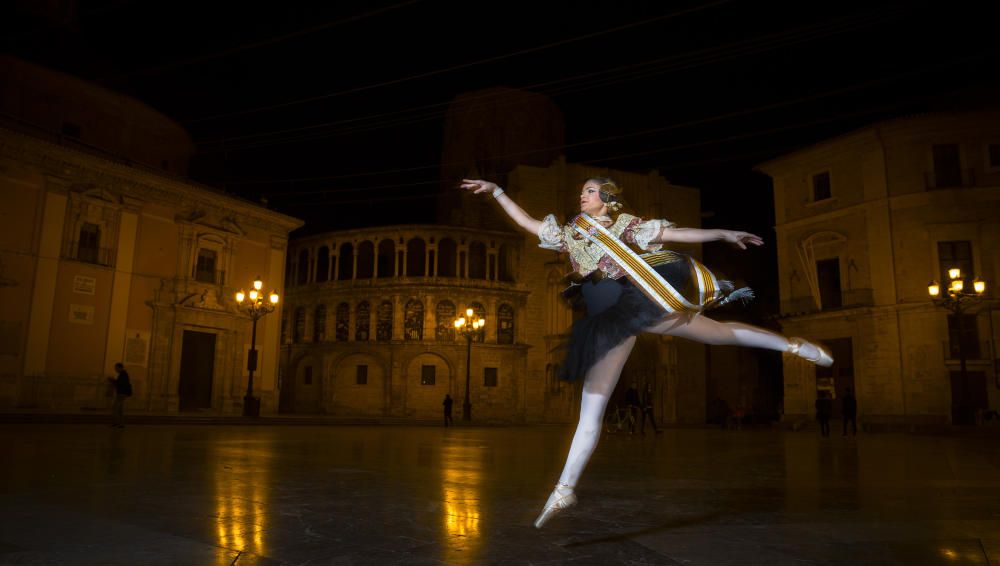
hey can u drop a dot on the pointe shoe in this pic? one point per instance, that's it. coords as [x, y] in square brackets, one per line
[824, 358]
[562, 497]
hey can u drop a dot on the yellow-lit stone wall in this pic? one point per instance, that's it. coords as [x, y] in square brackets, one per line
[889, 209]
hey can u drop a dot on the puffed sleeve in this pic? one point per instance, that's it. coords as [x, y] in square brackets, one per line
[551, 235]
[640, 233]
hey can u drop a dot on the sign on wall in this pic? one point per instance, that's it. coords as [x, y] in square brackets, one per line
[84, 285]
[136, 348]
[81, 314]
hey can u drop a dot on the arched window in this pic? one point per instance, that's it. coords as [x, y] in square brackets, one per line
[366, 260]
[447, 251]
[300, 325]
[342, 330]
[303, 276]
[319, 324]
[383, 324]
[415, 258]
[479, 310]
[323, 264]
[506, 264]
[477, 260]
[284, 327]
[363, 324]
[345, 260]
[413, 328]
[444, 321]
[505, 324]
[386, 258]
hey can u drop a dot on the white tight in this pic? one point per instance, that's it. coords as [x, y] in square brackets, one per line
[601, 380]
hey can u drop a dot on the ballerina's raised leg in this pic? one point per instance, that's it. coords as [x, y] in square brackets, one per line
[601, 380]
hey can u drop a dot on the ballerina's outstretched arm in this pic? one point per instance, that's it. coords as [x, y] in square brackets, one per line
[516, 213]
[701, 235]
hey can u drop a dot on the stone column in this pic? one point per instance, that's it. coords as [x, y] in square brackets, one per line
[121, 290]
[397, 317]
[46, 272]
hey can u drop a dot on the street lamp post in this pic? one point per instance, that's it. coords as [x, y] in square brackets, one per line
[254, 305]
[956, 300]
[469, 326]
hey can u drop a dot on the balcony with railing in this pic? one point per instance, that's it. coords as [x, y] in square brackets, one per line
[89, 254]
[957, 179]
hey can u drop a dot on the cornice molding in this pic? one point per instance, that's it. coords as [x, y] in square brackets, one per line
[79, 168]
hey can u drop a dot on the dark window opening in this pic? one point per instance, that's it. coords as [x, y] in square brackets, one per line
[828, 277]
[947, 166]
[821, 186]
[204, 269]
[361, 375]
[490, 377]
[428, 375]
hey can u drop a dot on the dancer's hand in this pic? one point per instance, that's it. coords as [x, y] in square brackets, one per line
[478, 186]
[742, 239]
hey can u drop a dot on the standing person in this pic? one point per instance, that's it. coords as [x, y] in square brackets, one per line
[448, 401]
[647, 410]
[625, 295]
[632, 406]
[123, 390]
[849, 407]
[824, 408]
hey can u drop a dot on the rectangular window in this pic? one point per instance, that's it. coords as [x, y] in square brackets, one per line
[307, 377]
[821, 186]
[828, 277]
[361, 375]
[88, 248]
[947, 166]
[963, 334]
[70, 129]
[427, 375]
[490, 377]
[993, 156]
[955, 254]
[204, 269]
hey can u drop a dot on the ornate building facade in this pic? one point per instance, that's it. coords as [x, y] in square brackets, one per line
[108, 255]
[368, 325]
[864, 222]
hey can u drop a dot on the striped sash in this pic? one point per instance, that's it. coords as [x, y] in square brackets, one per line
[642, 274]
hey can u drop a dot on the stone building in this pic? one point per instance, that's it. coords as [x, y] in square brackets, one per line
[107, 254]
[368, 320]
[864, 222]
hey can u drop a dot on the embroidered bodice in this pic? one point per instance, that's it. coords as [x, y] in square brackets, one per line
[586, 257]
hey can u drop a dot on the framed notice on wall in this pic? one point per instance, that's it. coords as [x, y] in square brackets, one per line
[84, 285]
[136, 348]
[81, 314]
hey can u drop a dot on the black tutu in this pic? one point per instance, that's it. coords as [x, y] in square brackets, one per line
[616, 310]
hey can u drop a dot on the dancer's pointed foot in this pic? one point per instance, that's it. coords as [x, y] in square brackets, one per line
[810, 351]
[562, 497]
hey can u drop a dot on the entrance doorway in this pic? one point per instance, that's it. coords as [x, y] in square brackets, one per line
[838, 377]
[967, 396]
[197, 368]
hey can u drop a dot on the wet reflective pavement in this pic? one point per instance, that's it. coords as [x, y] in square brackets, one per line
[162, 494]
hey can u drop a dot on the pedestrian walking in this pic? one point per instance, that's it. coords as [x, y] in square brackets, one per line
[647, 410]
[849, 407]
[448, 402]
[123, 390]
[824, 408]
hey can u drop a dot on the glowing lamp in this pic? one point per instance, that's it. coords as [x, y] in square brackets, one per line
[240, 295]
[258, 284]
[954, 273]
[933, 289]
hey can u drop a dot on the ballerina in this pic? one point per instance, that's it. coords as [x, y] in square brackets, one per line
[626, 294]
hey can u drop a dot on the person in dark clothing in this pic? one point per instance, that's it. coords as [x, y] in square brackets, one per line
[824, 408]
[448, 401]
[647, 410]
[123, 390]
[849, 407]
[633, 406]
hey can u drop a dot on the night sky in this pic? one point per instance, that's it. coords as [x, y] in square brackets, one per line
[324, 107]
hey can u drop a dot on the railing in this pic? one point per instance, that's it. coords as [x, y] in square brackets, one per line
[213, 277]
[89, 254]
[974, 350]
[934, 180]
